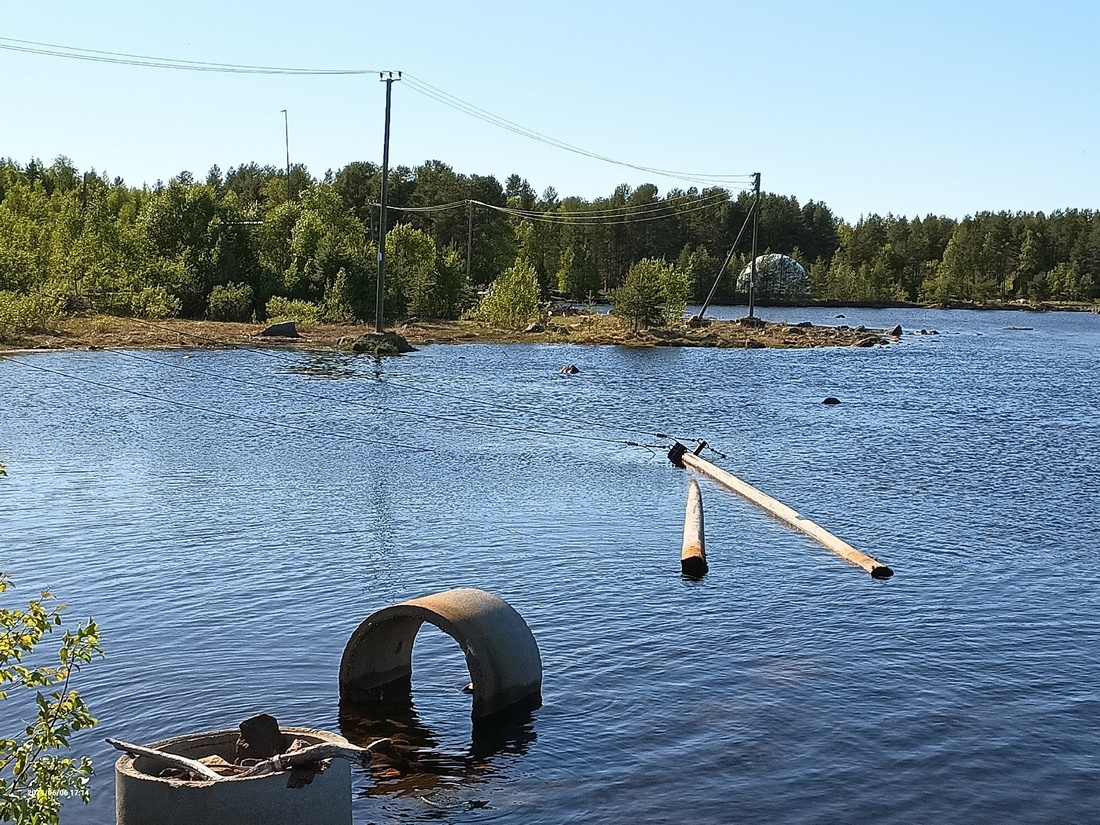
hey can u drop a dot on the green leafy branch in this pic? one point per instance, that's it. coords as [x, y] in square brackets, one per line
[34, 780]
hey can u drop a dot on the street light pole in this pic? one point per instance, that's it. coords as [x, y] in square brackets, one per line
[286, 131]
[387, 78]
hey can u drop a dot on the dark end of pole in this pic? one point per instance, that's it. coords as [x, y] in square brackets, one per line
[693, 568]
[676, 454]
[881, 572]
[700, 448]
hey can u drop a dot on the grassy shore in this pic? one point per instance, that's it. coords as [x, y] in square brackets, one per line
[109, 332]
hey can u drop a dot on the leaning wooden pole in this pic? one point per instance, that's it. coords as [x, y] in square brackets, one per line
[693, 555]
[682, 458]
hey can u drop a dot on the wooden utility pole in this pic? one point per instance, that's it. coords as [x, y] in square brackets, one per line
[469, 237]
[286, 135]
[682, 458]
[755, 225]
[387, 78]
[693, 553]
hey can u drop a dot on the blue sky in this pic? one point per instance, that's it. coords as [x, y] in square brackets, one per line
[912, 108]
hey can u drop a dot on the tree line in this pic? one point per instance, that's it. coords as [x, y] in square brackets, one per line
[253, 243]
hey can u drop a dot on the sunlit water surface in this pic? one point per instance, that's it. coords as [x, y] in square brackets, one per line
[229, 517]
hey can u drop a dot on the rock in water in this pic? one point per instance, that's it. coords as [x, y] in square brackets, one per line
[569, 369]
[380, 343]
[896, 331]
[831, 400]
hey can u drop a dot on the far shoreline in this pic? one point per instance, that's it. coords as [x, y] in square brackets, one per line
[115, 332]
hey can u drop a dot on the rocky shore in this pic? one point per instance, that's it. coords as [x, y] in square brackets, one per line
[106, 332]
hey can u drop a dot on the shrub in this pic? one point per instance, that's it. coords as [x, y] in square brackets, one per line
[230, 302]
[652, 293]
[287, 309]
[26, 313]
[154, 302]
[512, 300]
[34, 780]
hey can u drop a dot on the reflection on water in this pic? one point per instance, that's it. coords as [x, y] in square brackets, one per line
[227, 562]
[415, 761]
[436, 756]
[325, 364]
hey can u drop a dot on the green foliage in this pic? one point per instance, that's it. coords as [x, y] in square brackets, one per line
[230, 302]
[701, 269]
[339, 300]
[512, 300]
[578, 277]
[26, 313]
[653, 293]
[102, 246]
[34, 778]
[410, 272]
[1067, 283]
[452, 292]
[154, 302]
[420, 281]
[676, 288]
[291, 309]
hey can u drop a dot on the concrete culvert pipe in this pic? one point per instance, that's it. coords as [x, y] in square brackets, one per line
[144, 799]
[501, 653]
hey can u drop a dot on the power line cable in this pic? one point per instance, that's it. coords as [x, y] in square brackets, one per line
[172, 402]
[551, 217]
[673, 205]
[667, 208]
[452, 396]
[147, 61]
[375, 407]
[437, 94]
[420, 86]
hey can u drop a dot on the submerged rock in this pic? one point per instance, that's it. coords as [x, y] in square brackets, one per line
[378, 343]
[569, 369]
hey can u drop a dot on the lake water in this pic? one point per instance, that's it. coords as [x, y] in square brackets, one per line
[229, 517]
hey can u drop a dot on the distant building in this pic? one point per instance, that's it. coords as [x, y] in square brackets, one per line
[777, 276]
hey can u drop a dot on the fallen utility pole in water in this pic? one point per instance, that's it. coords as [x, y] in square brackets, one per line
[693, 555]
[680, 456]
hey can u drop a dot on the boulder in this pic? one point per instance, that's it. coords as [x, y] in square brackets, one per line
[379, 343]
[869, 341]
[753, 343]
[831, 400]
[284, 329]
[535, 327]
[895, 331]
[569, 369]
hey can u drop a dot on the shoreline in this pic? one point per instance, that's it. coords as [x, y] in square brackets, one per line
[114, 332]
[109, 332]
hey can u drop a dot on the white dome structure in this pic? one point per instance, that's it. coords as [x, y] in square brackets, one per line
[777, 276]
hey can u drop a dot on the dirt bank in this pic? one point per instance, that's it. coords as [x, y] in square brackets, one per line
[107, 332]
